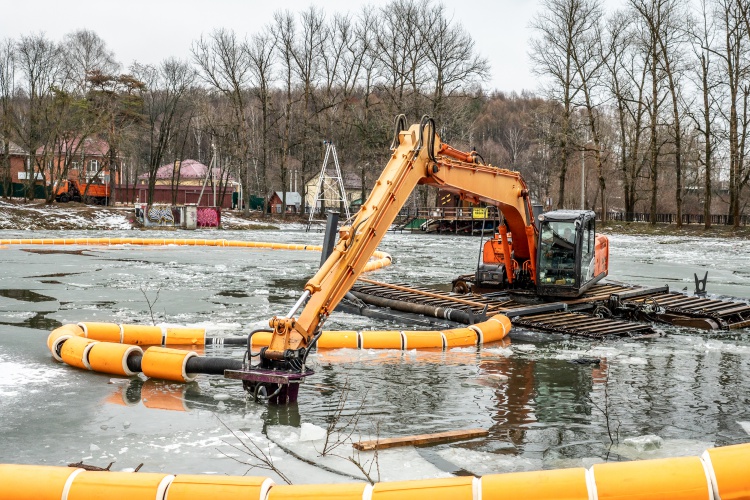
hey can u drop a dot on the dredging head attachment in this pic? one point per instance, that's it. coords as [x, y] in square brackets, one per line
[275, 381]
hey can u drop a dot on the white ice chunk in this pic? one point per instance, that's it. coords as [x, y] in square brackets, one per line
[644, 443]
[395, 464]
[481, 463]
[745, 426]
[311, 432]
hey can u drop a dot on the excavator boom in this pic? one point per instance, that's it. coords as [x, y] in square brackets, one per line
[416, 159]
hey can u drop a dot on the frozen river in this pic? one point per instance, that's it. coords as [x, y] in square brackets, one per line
[685, 391]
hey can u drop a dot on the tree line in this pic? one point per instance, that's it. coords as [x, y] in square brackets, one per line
[646, 101]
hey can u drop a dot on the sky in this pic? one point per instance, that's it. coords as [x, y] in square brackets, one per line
[150, 31]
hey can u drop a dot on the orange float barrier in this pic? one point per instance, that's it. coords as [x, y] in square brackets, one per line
[75, 352]
[185, 336]
[729, 471]
[337, 340]
[358, 491]
[106, 332]
[683, 478]
[166, 364]
[562, 484]
[373, 339]
[200, 487]
[492, 330]
[90, 485]
[142, 334]
[454, 488]
[107, 357]
[720, 475]
[35, 482]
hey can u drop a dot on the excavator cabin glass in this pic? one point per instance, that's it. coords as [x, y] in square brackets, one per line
[566, 253]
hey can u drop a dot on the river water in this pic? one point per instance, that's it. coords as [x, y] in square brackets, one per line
[669, 396]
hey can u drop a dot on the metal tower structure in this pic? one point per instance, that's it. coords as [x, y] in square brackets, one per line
[328, 185]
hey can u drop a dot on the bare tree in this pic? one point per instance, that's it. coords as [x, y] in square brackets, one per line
[261, 50]
[559, 25]
[166, 87]
[7, 90]
[85, 53]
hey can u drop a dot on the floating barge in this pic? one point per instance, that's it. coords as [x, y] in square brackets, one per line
[607, 309]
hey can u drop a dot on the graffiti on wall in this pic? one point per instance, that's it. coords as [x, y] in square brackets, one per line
[209, 216]
[161, 215]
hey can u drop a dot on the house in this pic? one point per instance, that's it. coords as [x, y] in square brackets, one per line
[87, 160]
[19, 162]
[331, 195]
[183, 182]
[293, 202]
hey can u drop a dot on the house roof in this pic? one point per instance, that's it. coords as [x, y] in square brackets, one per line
[292, 197]
[92, 146]
[189, 170]
[15, 149]
[351, 180]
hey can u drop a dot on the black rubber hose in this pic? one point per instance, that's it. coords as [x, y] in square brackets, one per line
[196, 364]
[212, 366]
[226, 341]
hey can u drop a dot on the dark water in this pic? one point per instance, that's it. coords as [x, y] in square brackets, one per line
[688, 389]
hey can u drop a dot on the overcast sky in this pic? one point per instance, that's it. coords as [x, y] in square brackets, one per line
[149, 31]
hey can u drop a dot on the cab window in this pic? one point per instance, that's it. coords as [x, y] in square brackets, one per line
[557, 259]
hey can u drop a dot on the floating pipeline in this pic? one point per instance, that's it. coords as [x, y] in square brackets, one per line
[381, 259]
[719, 474]
[115, 349]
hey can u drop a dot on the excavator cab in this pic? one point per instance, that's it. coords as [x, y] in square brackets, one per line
[566, 253]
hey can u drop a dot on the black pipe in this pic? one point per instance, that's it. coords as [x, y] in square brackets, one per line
[465, 317]
[195, 364]
[212, 366]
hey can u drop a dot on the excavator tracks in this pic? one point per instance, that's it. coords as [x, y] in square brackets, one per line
[607, 309]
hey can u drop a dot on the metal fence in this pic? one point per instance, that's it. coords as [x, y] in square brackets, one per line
[716, 219]
[468, 213]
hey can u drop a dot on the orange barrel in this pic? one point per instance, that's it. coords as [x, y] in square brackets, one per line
[683, 478]
[729, 471]
[560, 484]
[163, 395]
[93, 485]
[453, 488]
[106, 332]
[337, 340]
[460, 337]
[108, 357]
[352, 491]
[199, 487]
[373, 339]
[35, 482]
[142, 335]
[423, 340]
[186, 336]
[75, 352]
[263, 339]
[492, 330]
[167, 364]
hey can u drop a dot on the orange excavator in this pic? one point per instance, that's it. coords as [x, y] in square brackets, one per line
[548, 261]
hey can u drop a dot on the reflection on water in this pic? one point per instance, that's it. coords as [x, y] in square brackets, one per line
[545, 400]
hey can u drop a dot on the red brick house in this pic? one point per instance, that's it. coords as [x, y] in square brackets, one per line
[19, 161]
[86, 160]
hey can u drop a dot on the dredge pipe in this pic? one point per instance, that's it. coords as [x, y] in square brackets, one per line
[456, 315]
[196, 364]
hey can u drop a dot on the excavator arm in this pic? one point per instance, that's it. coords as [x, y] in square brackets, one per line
[417, 158]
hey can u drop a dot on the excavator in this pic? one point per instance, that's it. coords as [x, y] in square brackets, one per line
[563, 257]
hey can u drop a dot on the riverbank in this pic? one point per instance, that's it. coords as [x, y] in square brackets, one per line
[36, 216]
[691, 230]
